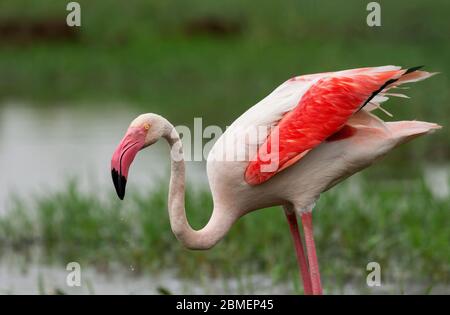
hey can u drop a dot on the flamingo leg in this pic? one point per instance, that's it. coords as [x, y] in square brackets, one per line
[311, 250]
[301, 259]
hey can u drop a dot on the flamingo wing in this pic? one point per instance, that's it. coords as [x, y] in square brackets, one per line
[324, 107]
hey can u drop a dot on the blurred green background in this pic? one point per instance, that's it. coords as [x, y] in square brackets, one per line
[215, 59]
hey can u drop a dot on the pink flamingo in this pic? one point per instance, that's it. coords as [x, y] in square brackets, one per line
[319, 131]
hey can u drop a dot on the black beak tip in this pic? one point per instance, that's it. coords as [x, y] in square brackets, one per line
[119, 183]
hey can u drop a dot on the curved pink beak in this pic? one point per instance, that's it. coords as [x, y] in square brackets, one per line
[124, 155]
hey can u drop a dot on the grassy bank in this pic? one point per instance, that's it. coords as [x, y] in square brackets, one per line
[398, 224]
[150, 55]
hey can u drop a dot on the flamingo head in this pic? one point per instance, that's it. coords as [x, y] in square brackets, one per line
[143, 131]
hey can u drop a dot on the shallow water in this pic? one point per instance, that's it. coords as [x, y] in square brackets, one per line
[43, 279]
[41, 148]
[37, 279]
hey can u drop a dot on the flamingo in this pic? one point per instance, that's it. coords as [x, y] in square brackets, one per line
[319, 131]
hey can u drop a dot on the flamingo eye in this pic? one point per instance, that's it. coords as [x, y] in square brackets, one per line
[146, 126]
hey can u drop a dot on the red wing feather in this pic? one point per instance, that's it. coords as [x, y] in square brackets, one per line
[322, 110]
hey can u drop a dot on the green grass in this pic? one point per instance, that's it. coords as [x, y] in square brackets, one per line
[398, 224]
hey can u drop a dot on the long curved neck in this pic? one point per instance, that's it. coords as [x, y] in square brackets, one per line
[220, 221]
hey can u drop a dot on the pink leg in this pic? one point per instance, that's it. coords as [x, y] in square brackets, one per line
[311, 250]
[293, 227]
